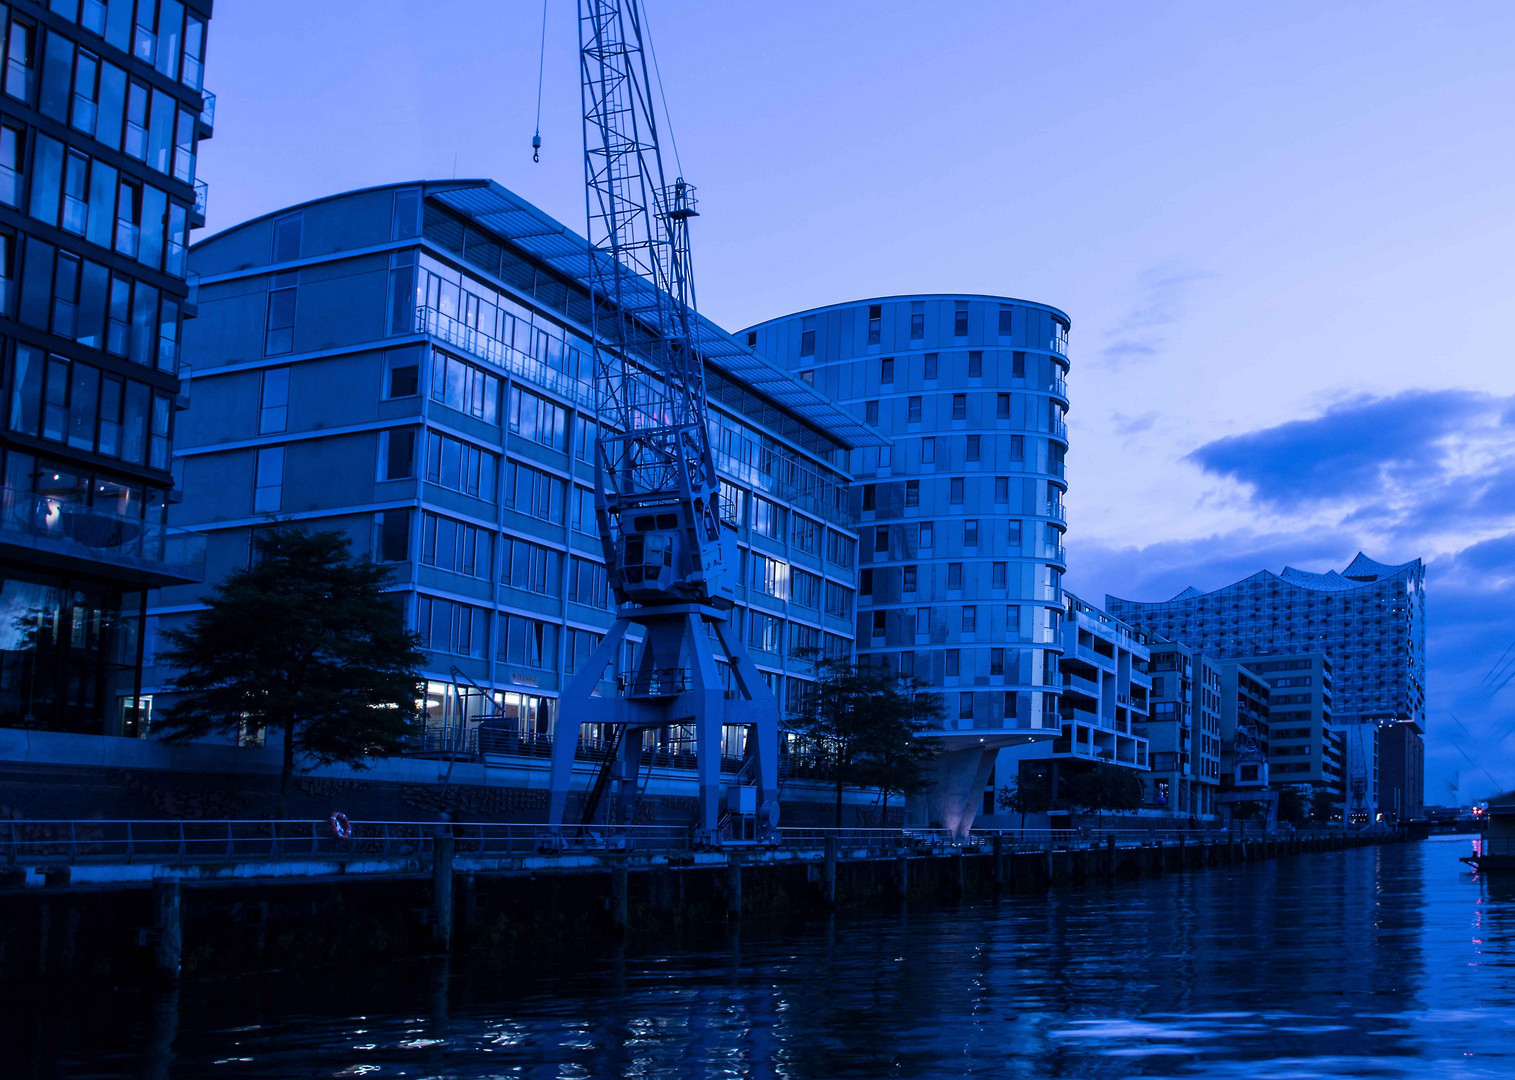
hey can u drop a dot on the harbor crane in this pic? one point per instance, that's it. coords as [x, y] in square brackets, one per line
[670, 555]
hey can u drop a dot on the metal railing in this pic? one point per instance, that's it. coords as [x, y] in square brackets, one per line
[48, 843]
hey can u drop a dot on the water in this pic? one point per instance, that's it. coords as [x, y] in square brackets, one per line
[1377, 962]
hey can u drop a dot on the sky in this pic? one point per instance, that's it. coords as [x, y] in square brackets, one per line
[1283, 233]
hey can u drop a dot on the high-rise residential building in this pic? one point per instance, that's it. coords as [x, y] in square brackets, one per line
[1369, 620]
[412, 364]
[961, 514]
[1184, 730]
[102, 111]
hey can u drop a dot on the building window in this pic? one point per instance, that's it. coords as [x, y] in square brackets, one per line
[1002, 406]
[83, 110]
[955, 491]
[1014, 533]
[12, 142]
[970, 618]
[287, 233]
[953, 658]
[997, 575]
[927, 534]
[268, 489]
[913, 410]
[807, 343]
[918, 329]
[1001, 489]
[402, 372]
[1017, 448]
[136, 121]
[274, 415]
[973, 447]
[397, 454]
[932, 360]
[870, 413]
[870, 497]
[536, 569]
[280, 335]
[392, 536]
[875, 324]
[928, 450]
[959, 406]
[865, 582]
[406, 220]
[970, 532]
[880, 623]
[922, 621]
[129, 218]
[960, 320]
[909, 578]
[881, 538]
[975, 365]
[1006, 322]
[1017, 365]
[20, 46]
[954, 576]
[912, 493]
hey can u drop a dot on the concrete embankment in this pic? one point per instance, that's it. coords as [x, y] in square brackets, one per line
[230, 919]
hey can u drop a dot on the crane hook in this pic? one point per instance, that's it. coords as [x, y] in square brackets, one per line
[536, 147]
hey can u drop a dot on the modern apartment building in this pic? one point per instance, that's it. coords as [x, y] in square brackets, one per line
[1184, 730]
[961, 513]
[1368, 620]
[412, 364]
[1305, 746]
[1244, 728]
[101, 114]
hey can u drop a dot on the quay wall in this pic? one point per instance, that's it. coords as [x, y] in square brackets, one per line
[230, 925]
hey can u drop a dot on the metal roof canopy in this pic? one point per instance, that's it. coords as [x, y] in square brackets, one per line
[508, 216]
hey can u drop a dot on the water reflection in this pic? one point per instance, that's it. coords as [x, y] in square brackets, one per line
[1390, 962]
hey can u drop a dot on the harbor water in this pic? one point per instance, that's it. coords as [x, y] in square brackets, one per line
[1387, 961]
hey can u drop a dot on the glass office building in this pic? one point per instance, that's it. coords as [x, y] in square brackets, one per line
[412, 364]
[962, 516]
[101, 113]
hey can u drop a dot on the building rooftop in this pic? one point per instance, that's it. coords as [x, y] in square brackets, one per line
[1362, 571]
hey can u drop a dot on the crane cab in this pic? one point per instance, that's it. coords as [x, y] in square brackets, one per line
[655, 564]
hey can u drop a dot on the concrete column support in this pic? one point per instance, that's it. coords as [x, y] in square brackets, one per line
[168, 924]
[734, 890]
[619, 907]
[828, 874]
[442, 850]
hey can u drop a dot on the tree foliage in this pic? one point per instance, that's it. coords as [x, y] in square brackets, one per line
[1103, 788]
[1028, 793]
[304, 642]
[864, 724]
[1325, 806]
[1291, 806]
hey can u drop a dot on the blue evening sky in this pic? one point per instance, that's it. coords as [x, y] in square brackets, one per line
[1283, 233]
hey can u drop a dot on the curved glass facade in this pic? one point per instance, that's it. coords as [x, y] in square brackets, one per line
[961, 520]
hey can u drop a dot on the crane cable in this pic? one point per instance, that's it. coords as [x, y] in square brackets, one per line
[658, 75]
[536, 138]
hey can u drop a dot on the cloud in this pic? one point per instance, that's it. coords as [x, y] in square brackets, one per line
[1162, 292]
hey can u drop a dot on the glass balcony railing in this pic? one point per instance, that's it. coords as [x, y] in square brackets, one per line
[208, 109]
[148, 551]
[770, 473]
[1059, 386]
[201, 193]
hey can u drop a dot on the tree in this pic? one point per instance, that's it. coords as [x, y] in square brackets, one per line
[1029, 793]
[304, 642]
[1104, 787]
[1291, 806]
[864, 724]
[1325, 806]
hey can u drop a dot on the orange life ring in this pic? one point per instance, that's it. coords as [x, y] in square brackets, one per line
[340, 826]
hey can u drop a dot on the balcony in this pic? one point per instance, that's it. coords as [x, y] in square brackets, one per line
[1059, 386]
[207, 114]
[1059, 430]
[191, 303]
[181, 399]
[197, 215]
[1056, 553]
[72, 537]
